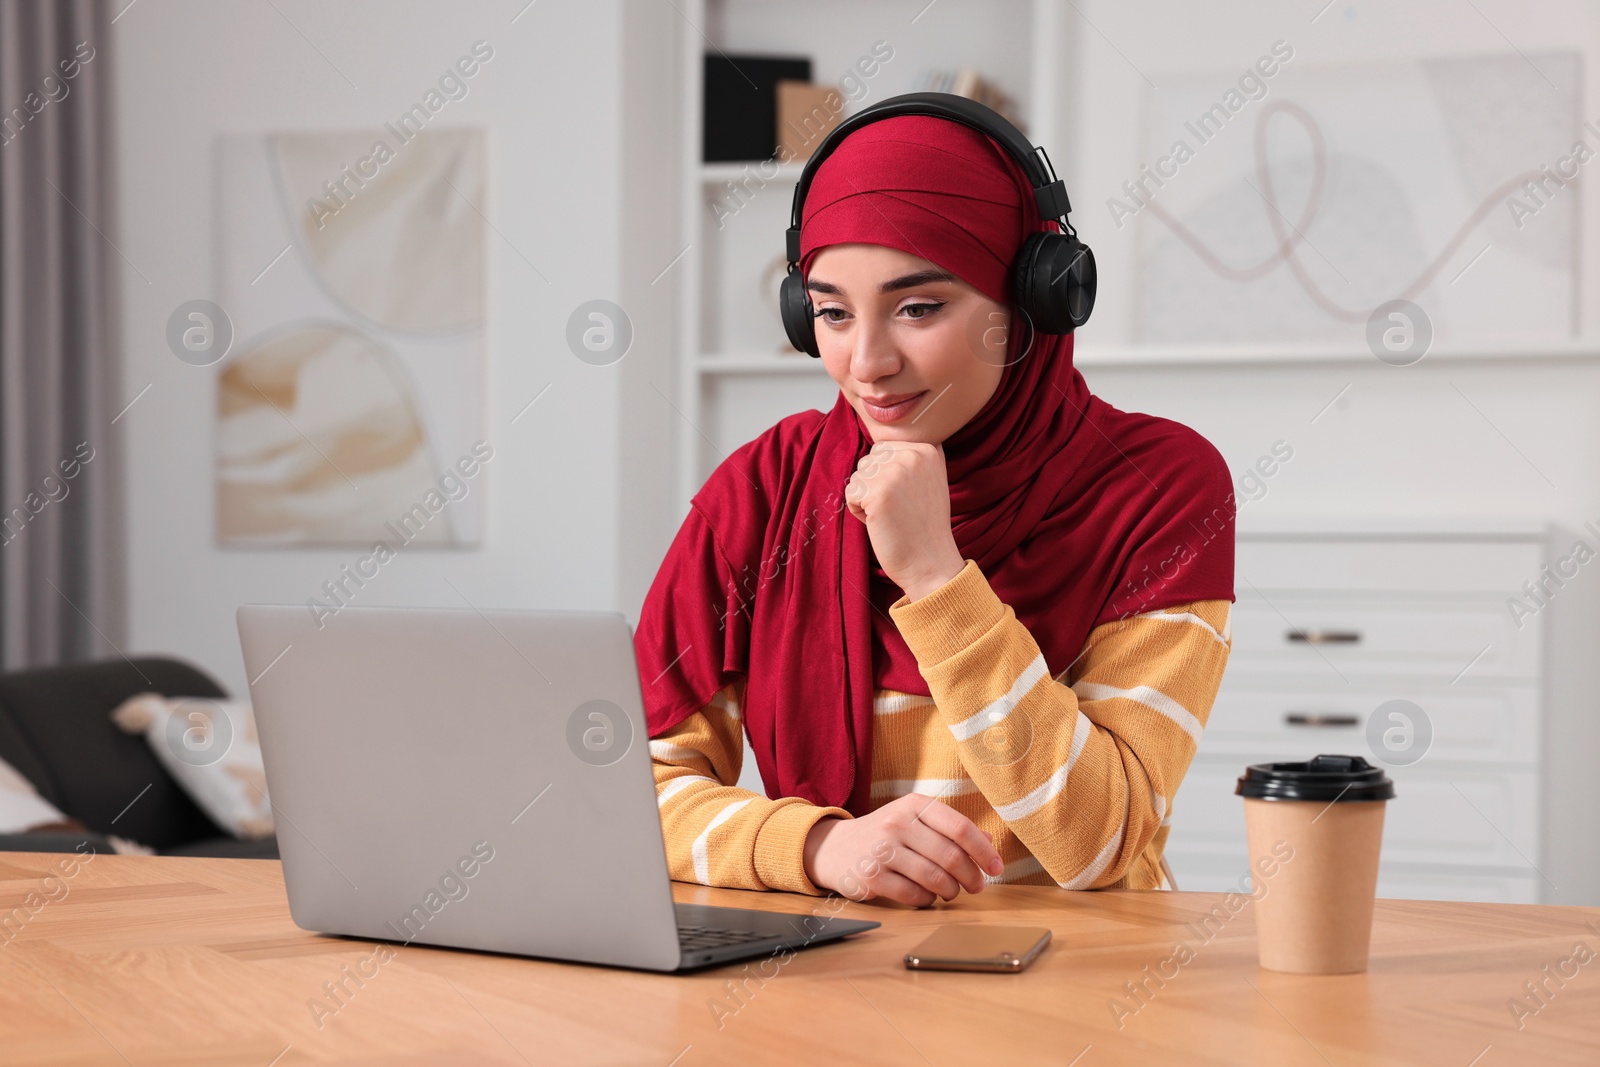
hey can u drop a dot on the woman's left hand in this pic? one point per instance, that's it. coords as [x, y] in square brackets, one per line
[900, 490]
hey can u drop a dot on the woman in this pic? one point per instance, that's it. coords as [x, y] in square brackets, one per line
[973, 618]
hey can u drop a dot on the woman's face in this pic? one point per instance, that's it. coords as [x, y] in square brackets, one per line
[916, 351]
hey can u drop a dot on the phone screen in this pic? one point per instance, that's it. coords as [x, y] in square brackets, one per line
[979, 947]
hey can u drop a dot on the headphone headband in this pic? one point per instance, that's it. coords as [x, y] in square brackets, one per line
[1049, 192]
[1053, 277]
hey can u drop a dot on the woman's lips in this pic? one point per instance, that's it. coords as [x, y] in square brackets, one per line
[892, 412]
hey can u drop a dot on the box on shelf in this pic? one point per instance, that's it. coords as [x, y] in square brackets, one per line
[740, 116]
[806, 114]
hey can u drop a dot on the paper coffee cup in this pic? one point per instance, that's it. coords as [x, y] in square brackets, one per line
[1315, 831]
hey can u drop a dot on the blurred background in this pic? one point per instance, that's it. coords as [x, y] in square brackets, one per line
[456, 304]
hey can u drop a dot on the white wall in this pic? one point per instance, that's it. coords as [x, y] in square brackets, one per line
[191, 70]
[651, 132]
[1121, 47]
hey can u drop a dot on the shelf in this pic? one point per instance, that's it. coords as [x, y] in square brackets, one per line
[758, 364]
[1393, 527]
[1149, 355]
[762, 170]
[1092, 355]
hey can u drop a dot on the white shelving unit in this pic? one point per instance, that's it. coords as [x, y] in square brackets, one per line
[737, 374]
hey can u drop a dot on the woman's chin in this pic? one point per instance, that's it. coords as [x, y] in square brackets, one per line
[908, 434]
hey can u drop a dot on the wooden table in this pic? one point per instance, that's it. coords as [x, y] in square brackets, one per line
[157, 960]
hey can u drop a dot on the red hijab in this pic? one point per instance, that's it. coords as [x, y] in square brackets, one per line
[1077, 513]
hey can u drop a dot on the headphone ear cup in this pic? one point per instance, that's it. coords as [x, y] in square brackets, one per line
[1054, 279]
[794, 304]
[1022, 278]
[1083, 282]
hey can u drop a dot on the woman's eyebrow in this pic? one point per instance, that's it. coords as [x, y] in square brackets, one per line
[905, 281]
[916, 278]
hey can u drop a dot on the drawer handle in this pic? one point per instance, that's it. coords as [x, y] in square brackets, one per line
[1324, 637]
[1312, 718]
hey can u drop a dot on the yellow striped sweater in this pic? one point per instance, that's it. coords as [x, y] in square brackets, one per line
[1073, 781]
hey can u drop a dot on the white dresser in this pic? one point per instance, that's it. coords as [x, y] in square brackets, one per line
[1333, 622]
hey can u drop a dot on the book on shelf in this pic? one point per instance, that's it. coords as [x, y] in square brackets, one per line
[967, 82]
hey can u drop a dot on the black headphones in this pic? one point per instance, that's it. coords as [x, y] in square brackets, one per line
[1053, 279]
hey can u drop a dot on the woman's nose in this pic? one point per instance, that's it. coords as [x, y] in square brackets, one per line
[872, 354]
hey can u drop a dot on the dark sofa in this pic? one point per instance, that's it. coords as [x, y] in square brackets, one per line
[56, 730]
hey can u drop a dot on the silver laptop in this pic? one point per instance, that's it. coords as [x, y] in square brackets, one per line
[479, 780]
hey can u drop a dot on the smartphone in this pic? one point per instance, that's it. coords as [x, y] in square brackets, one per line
[979, 947]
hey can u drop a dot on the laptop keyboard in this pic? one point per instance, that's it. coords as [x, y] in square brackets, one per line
[693, 938]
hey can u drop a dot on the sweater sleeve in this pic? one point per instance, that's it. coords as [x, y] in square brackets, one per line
[715, 832]
[1083, 775]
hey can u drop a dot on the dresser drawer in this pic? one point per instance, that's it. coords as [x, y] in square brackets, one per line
[1408, 565]
[1324, 636]
[1497, 726]
[1435, 818]
[1202, 874]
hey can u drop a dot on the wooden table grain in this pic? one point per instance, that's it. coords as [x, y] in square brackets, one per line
[161, 960]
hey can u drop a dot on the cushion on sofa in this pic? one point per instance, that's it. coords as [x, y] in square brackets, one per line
[56, 730]
[21, 806]
[210, 748]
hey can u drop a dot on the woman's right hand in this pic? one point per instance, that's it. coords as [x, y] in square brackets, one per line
[912, 850]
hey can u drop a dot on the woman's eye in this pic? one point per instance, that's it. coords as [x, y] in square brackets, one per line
[921, 311]
[827, 314]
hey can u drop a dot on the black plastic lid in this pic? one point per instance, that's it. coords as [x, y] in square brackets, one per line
[1324, 778]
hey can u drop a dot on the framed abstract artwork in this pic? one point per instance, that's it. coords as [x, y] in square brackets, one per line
[350, 409]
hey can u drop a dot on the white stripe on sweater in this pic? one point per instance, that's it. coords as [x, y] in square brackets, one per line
[667, 752]
[1086, 877]
[930, 787]
[676, 785]
[1016, 870]
[898, 702]
[1185, 617]
[700, 853]
[996, 711]
[1150, 697]
[727, 703]
[1032, 802]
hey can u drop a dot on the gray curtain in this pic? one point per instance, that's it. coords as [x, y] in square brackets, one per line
[61, 576]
